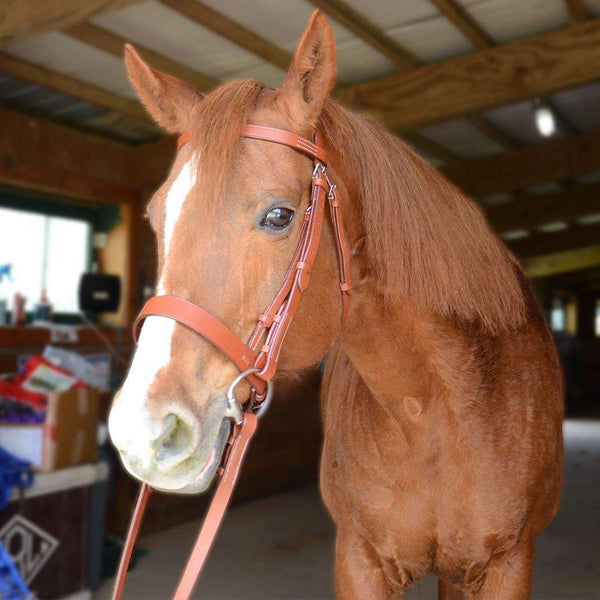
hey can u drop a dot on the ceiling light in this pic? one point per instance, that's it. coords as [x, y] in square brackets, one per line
[544, 118]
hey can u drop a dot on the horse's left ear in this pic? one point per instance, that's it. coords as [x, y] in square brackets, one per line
[311, 77]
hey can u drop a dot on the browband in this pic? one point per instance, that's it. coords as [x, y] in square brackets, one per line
[271, 134]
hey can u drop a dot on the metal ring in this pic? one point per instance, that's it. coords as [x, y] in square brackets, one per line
[234, 411]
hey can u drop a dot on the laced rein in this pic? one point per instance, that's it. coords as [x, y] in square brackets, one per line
[257, 359]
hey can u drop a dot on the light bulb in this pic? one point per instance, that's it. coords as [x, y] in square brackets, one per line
[545, 121]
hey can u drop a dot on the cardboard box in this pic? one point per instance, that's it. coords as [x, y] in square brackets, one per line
[67, 438]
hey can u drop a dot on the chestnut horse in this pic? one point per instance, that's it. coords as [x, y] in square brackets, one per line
[442, 395]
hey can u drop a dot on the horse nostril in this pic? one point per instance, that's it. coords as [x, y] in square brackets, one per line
[174, 444]
[169, 426]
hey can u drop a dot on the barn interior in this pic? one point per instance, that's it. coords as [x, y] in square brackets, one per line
[502, 96]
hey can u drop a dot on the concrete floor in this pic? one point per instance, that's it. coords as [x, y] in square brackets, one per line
[281, 547]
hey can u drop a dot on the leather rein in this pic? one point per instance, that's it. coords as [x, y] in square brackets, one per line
[257, 359]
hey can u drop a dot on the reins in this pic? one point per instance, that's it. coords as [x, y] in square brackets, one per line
[256, 359]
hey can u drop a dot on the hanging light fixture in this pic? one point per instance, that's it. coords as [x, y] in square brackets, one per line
[545, 119]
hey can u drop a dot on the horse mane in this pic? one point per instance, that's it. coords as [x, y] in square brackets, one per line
[424, 239]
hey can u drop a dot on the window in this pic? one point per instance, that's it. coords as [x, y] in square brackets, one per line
[563, 314]
[46, 252]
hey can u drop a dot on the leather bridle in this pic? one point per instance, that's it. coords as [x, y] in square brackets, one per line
[257, 359]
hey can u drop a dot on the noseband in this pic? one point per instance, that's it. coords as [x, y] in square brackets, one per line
[257, 359]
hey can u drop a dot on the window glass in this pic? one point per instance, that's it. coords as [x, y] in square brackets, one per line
[45, 252]
[67, 259]
[558, 315]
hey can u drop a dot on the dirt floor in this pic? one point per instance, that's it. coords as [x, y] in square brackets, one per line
[281, 547]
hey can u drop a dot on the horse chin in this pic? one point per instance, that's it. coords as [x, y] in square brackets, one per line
[193, 476]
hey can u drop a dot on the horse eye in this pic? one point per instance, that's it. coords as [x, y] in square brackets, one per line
[278, 218]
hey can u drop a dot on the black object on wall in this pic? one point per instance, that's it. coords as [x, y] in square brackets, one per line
[99, 293]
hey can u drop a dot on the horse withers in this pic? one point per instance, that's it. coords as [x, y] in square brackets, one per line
[442, 396]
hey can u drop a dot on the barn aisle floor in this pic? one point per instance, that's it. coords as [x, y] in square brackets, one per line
[281, 547]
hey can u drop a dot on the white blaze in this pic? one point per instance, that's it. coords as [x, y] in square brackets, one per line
[129, 426]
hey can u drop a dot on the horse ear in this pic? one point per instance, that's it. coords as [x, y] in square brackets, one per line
[169, 100]
[311, 77]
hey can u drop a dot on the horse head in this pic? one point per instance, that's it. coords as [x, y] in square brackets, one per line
[227, 222]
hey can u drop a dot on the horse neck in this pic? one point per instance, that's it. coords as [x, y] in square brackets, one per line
[389, 347]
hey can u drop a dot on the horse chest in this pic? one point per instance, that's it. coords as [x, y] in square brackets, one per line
[394, 478]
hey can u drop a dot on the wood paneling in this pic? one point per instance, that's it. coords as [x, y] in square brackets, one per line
[489, 78]
[20, 19]
[57, 159]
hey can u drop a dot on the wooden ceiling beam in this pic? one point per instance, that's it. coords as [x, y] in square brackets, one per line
[430, 147]
[491, 131]
[231, 30]
[464, 23]
[520, 168]
[363, 28]
[76, 88]
[376, 38]
[20, 19]
[113, 44]
[529, 212]
[577, 10]
[482, 80]
[562, 262]
[561, 241]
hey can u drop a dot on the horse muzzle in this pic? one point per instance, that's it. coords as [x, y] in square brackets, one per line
[177, 452]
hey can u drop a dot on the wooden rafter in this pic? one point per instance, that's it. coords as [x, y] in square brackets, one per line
[64, 84]
[231, 30]
[529, 212]
[562, 262]
[360, 26]
[20, 19]
[430, 147]
[577, 10]
[491, 131]
[464, 23]
[482, 80]
[555, 160]
[113, 44]
[561, 241]
[368, 32]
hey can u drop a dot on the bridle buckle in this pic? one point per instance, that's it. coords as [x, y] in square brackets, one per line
[234, 411]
